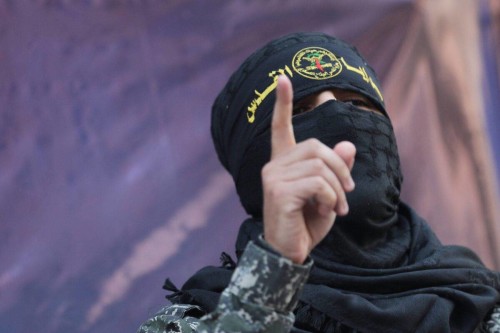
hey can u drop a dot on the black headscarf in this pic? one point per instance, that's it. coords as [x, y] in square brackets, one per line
[380, 268]
[241, 114]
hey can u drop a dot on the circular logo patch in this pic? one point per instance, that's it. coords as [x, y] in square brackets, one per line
[316, 63]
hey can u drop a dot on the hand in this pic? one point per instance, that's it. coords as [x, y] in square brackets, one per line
[304, 184]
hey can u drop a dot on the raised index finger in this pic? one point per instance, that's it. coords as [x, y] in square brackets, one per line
[282, 137]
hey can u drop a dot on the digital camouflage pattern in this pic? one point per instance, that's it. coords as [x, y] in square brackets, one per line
[263, 291]
[493, 324]
[261, 296]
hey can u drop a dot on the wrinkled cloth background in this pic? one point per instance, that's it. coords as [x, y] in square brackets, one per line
[108, 179]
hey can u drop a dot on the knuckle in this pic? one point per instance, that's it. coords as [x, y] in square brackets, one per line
[269, 172]
[318, 147]
[266, 171]
[331, 194]
[317, 165]
[314, 143]
[318, 183]
[274, 192]
[333, 198]
[329, 199]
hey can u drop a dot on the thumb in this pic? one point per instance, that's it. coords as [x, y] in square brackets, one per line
[347, 151]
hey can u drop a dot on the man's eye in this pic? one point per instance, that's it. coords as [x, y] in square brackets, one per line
[357, 102]
[301, 108]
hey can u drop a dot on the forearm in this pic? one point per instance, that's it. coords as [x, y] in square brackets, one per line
[260, 298]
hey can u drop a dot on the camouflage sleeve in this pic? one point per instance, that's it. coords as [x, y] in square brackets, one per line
[263, 291]
[493, 323]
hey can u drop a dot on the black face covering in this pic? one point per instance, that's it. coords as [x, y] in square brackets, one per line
[241, 114]
[373, 205]
[376, 172]
[380, 268]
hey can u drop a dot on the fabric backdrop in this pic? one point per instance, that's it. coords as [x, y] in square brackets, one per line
[108, 179]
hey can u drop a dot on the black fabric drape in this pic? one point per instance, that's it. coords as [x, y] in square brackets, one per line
[435, 288]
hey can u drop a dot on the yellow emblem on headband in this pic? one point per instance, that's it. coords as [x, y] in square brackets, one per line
[319, 64]
[316, 63]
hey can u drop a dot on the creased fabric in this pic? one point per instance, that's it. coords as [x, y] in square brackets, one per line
[434, 288]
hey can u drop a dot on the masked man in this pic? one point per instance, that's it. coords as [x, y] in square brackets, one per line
[329, 246]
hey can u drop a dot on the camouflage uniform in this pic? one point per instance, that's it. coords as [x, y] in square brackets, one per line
[493, 323]
[261, 296]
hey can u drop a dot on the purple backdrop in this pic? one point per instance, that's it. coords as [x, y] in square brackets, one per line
[108, 179]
